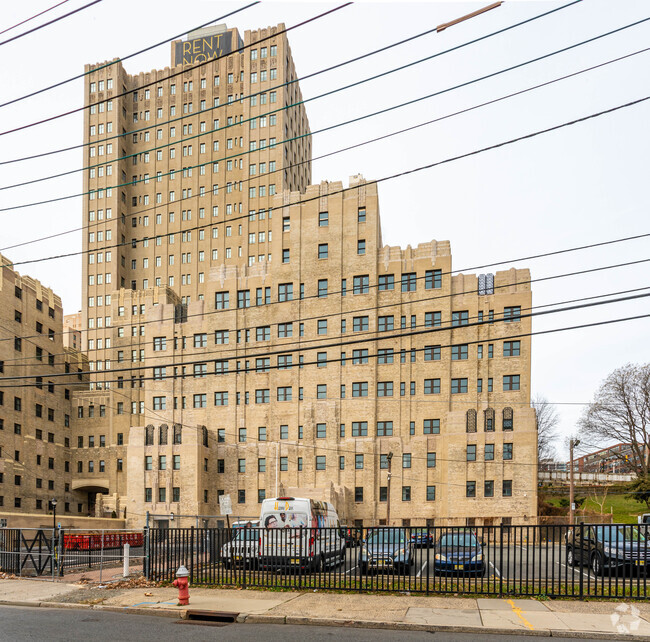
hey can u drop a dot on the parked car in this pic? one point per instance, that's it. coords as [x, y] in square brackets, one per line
[459, 553]
[243, 549]
[352, 536]
[386, 548]
[421, 537]
[608, 549]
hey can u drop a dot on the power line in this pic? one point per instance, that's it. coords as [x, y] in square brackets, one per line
[386, 178]
[372, 140]
[46, 24]
[174, 74]
[287, 107]
[22, 22]
[131, 55]
[357, 341]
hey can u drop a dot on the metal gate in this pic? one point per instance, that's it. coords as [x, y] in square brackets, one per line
[28, 551]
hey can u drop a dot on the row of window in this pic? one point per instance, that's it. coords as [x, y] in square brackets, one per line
[359, 389]
[38, 504]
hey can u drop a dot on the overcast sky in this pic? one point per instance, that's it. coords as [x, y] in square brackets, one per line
[582, 184]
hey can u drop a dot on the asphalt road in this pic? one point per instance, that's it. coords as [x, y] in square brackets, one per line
[58, 625]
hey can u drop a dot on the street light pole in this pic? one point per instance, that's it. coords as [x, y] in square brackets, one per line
[53, 503]
[573, 443]
[389, 457]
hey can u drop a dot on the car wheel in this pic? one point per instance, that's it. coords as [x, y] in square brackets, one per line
[363, 567]
[597, 564]
[570, 558]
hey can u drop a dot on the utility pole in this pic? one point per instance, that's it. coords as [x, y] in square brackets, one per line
[389, 457]
[573, 443]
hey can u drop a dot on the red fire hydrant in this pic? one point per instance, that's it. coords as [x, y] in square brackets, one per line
[182, 584]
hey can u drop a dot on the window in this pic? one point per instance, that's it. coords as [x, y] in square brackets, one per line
[489, 419]
[512, 313]
[322, 288]
[384, 388]
[285, 292]
[458, 386]
[323, 250]
[431, 460]
[409, 282]
[385, 324]
[471, 452]
[489, 452]
[511, 348]
[431, 493]
[360, 356]
[470, 489]
[221, 300]
[285, 330]
[488, 488]
[361, 247]
[358, 494]
[361, 284]
[431, 426]
[386, 282]
[470, 420]
[360, 389]
[320, 462]
[360, 324]
[159, 343]
[510, 382]
[384, 428]
[322, 326]
[385, 355]
[433, 279]
[284, 393]
[507, 419]
[262, 395]
[358, 462]
[221, 398]
[406, 493]
[241, 496]
[432, 319]
[459, 352]
[432, 386]
[507, 451]
[200, 401]
[460, 318]
[507, 488]
[406, 460]
[323, 219]
[359, 428]
[321, 391]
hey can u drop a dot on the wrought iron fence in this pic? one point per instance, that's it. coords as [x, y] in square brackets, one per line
[588, 560]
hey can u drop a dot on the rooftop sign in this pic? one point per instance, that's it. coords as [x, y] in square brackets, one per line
[203, 48]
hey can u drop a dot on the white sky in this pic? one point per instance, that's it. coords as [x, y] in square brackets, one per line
[580, 185]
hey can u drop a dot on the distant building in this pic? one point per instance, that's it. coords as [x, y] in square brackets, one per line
[619, 458]
[72, 331]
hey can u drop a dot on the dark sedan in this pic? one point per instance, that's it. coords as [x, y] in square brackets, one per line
[608, 549]
[386, 549]
[421, 538]
[459, 553]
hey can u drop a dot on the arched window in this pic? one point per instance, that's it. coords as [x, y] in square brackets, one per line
[162, 434]
[148, 435]
[508, 423]
[177, 434]
[489, 419]
[471, 420]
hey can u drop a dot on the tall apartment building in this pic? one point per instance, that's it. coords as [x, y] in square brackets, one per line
[38, 376]
[248, 333]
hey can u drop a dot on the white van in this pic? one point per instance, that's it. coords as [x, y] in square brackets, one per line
[299, 533]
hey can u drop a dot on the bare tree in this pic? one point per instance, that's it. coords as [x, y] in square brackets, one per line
[620, 412]
[547, 421]
[594, 496]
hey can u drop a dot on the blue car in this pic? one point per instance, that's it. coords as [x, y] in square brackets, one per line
[386, 549]
[459, 553]
[421, 538]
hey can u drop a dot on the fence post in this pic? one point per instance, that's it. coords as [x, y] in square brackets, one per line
[501, 559]
[125, 570]
[53, 554]
[101, 558]
[61, 556]
[581, 575]
[147, 549]
[192, 555]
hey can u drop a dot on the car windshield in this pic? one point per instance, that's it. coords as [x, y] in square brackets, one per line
[386, 537]
[618, 533]
[459, 539]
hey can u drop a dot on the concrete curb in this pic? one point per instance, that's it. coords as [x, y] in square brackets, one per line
[262, 618]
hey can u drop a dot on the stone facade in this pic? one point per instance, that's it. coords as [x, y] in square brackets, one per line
[249, 334]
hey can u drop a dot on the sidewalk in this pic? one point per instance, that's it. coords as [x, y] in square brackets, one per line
[607, 620]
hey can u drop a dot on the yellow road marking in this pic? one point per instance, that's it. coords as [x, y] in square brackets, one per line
[517, 611]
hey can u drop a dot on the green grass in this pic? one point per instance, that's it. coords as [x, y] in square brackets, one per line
[624, 509]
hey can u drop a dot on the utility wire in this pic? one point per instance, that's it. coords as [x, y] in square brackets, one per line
[287, 107]
[357, 341]
[22, 22]
[131, 55]
[46, 24]
[184, 70]
[372, 140]
[417, 278]
[359, 58]
[387, 178]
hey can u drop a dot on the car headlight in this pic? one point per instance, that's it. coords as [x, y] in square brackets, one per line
[441, 558]
[478, 557]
